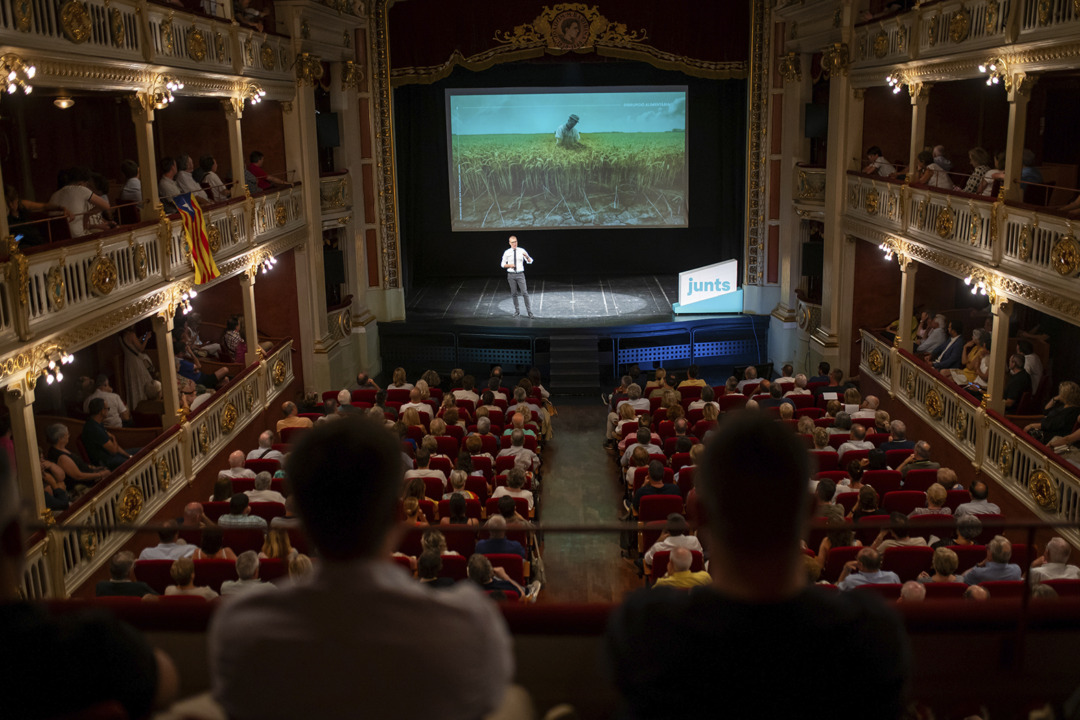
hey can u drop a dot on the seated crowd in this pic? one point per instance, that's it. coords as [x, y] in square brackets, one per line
[867, 473]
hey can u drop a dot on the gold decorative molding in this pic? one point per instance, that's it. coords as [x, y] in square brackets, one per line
[873, 199]
[56, 286]
[229, 415]
[164, 474]
[281, 214]
[757, 150]
[386, 185]
[249, 395]
[88, 541]
[932, 29]
[875, 360]
[1045, 7]
[993, 11]
[129, 504]
[219, 47]
[881, 44]
[835, 59]
[789, 67]
[1065, 255]
[309, 69]
[352, 75]
[117, 29]
[1005, 458]
[202, 436]
[268, 56]
[960, 25]
[934, 405]
[249, 51]
[1024, 242]
[901, 37]
[1041, 486]
[75, 21]
[278, 373]
[18, 271]
[103, 274]
[168, 35]
[960, 425]
[945, 224]
[213, 236]
[196, 43]
[23, 11]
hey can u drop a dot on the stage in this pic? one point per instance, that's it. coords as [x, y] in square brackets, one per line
[562, 304]
[586, 331]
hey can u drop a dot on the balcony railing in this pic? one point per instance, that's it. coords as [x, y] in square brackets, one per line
[135, 31]
[886, 42]
[335, 193]
[996, 447]
[73, 278]
[961, 25]
[809, 185]
[1048, 18]
[1023, 241]
[59, 562]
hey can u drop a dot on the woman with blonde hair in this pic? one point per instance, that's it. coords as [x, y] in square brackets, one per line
[299, 566]
[944, 562]
[656, 382]
[413, 515]
[398, 381]
[709, 413]
[806, 425]
[821, 440]
[425, 391]
[434, 541]
[182, 572]
[277, 545]
[411, 418]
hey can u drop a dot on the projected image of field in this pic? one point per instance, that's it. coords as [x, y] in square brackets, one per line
[608, 179]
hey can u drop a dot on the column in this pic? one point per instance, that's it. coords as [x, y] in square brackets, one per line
[999, 352]
[831, 340]
[251, 328]
[908, 269]
[1019, 90]
[920, 97]
[142, 114]
[19, 398]
[783, 339]
[234, 110]
[166, 362]
[301, 152]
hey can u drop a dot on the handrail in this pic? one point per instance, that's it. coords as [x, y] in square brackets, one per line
[995, 446]
[97, 525]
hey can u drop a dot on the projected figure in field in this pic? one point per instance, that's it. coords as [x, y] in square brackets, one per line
[567, 135]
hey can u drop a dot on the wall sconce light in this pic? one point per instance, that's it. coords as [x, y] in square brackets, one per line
[268, 263]
[63, 102]
[17, 74]
[896, 81]
[995, 69]
[57, 358]
[254, 93]
[185, 300]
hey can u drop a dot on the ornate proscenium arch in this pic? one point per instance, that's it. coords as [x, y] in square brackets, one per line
[709, 40]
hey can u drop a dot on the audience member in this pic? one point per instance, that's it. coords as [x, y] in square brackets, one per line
[262, 491]
[1053, 563]
[247, 570]
[1017, 383]
[928, 172]
[877, 165]
[865, 569]
[912, 591]
[944, 563]
[996, 566]
[239, 515]
[266, 450]
[79, 201]
[236, 466]
[919, 459]
[183, 576]
[101, 445]
[120, 583]
[678, 572]
[116, 412]
[292, 417]
[980, 504]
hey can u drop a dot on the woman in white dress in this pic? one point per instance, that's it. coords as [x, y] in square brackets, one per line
[138, 367]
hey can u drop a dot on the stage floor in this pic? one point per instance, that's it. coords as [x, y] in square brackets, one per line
[567, 302]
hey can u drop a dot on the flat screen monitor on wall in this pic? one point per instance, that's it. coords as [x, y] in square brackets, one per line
[598, 157]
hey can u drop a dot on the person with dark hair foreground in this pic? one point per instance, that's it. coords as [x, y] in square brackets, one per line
[342, 624]
[758, 603]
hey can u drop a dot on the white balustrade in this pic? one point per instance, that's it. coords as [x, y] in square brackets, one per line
[876, 200]
[961, 25]
[887, 42]
[191, 41]
[1048, 18]
[112, 29]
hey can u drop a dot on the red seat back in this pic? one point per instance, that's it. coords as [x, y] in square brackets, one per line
[927, 525]
[834, 563]
[968, 556]
[907, 562]
[811, 412]
[824, 422]
[504, 463]
[887, 591]
[433, 488]
[920, 479]
[243, 539]
[869, 526]
[368, 395]
[838, 439]
[945, 590]
[686, 479]
[459, 538]
[441, 463]
[267, 510]
[214, 510]
[530, 442]
[1004, 588]
[447, 445]
[289, 434]
[884, 481]
[513, 564]
[824, 460]
[847, 500]
[492, 507]
[1065, 588]
[661, 558]
[214, 572]
[893, 458]
[658, 507]
[455, 567]
[877, 438]
[400, 395]
[802, 402]
[852, 455]
[490, 444]
[473, 508]
[477, 486]
[263, 465]
[731, 402]
[991, 525]
[271, 569]
[154, 573]
[903, 501]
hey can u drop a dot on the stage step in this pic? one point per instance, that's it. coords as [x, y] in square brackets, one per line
[575, 365]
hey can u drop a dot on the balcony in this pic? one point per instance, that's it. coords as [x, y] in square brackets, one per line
[809, 185]
[958, 26]
[1033, 248]
[58, 562]
[1036, 475]
[335, 193]
[135, 31]
[885, 42]
[55, 286]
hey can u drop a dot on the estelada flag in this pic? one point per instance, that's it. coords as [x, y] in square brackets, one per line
[195, 236]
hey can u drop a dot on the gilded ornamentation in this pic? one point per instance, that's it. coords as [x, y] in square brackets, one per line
[1076, 7]
[1065, 256]
[1041, 486]
[279, 372]
[196, 45]
[249, 395]
[228, 417]
[24, 14]
[204, 438]
[974, 228]
[811, 186]
[268, 56]
[281, 214]
[1044, 12]
[945, 223]
[305, 29]
[75, 20]
[901, 38]
[219, 46]
[873, 200]
[931, 29]
[881, 44]
[960, 25]
[117, 30]
[88, 542]
[335, 194]
[960, 426]
[835, 59]
[352, 75]
[164, 474]
[790, 67]
[891, 211]
[47, 518]
[1005, 458]
[570, 26]
[139, 261]
[129, 504]
[168, 35]
[103, 274]
[56, 287]
[802, 317]
[213, 236]
[1025, 242]
[309, 69]
[875, 360]
[249, 51]
[992, 10]
[909, 383]
[934, 405]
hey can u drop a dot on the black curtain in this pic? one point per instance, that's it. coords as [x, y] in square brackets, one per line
[716, 127]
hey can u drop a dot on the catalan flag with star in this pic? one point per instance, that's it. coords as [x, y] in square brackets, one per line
[197, 241]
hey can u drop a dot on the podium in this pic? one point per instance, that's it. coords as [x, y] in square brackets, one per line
[709, 290]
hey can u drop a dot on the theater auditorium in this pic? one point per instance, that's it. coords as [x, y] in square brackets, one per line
[648, 336]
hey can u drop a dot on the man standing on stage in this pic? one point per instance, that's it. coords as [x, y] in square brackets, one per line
[514, 261]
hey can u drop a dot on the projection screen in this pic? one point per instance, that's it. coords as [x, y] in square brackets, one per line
[552, 158]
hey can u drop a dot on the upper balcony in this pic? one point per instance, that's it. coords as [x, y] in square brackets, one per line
[138, 31]
[58, 285]
[1030, 246]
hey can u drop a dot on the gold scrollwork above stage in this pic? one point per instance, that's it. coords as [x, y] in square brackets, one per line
[570, 27]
